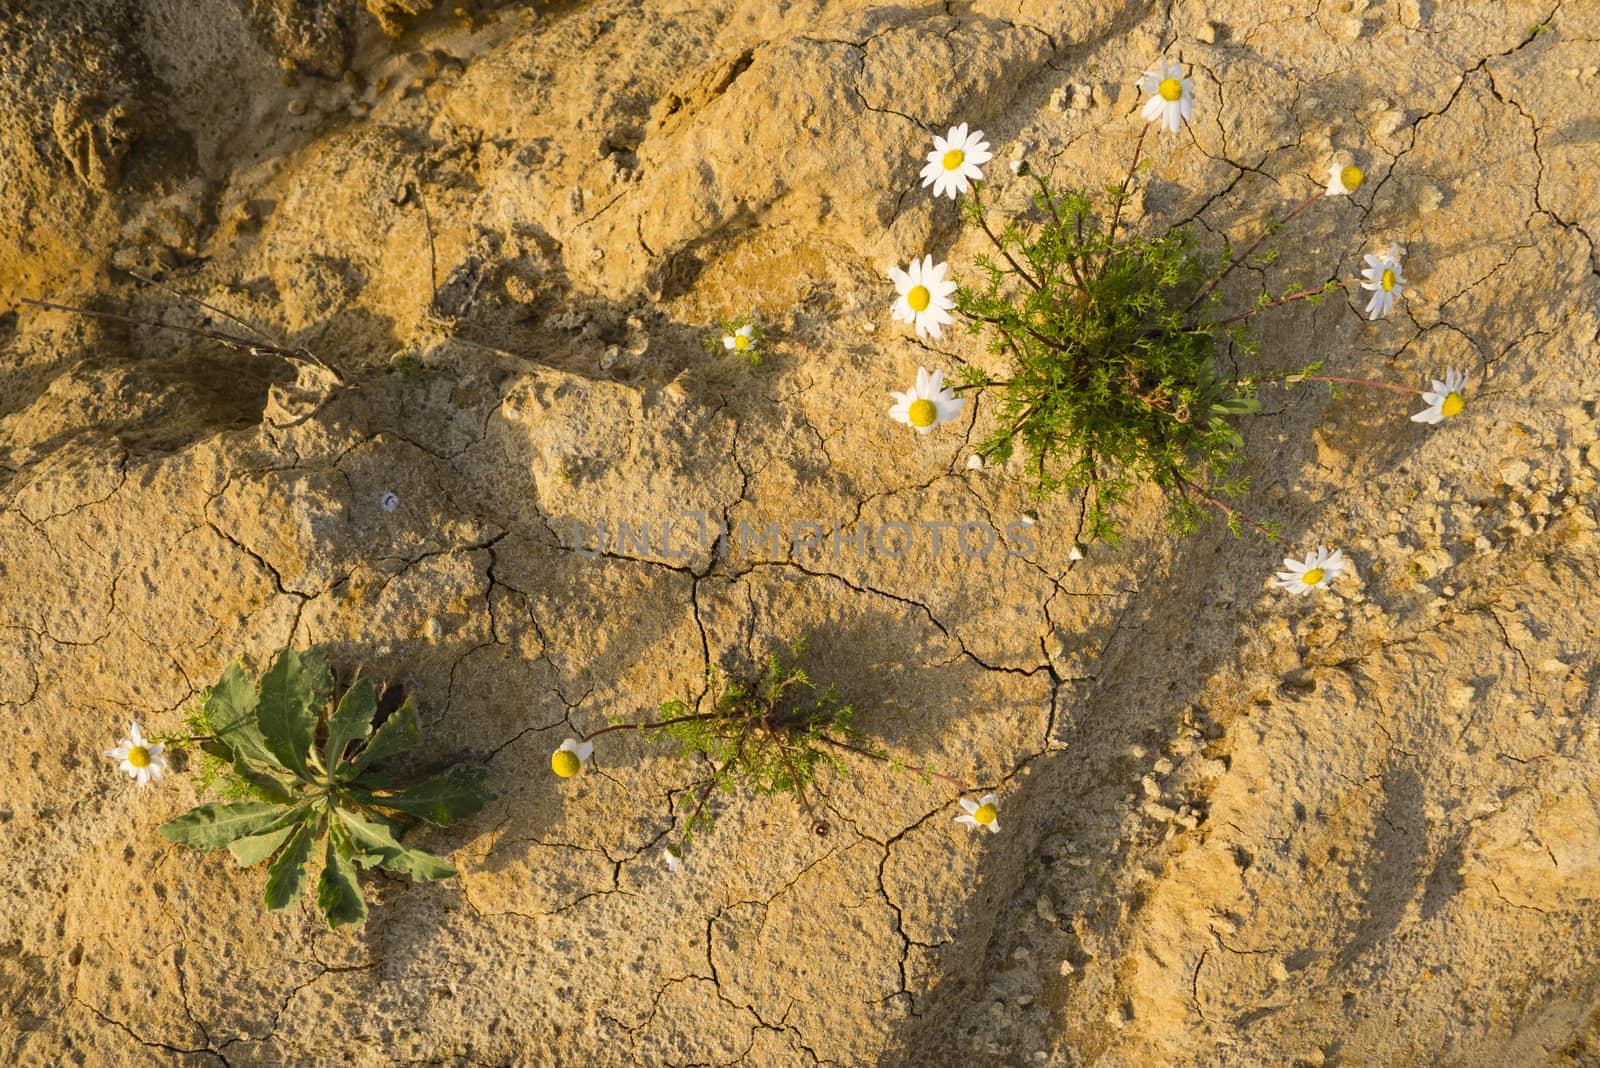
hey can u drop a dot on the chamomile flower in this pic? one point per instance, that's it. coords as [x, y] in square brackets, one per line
[1318, 569]
[927, 404]
[571, 757]
[141, 760]
[1444, 399]
[955, 161]
[1382, 276]
[924, 296]
[741, 340]
[1171, 95]
[1344, 179]
[984, 812]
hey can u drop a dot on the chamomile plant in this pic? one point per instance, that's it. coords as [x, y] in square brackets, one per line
[303, 783]
[769, 731]
[739, 335]
[1110, 335]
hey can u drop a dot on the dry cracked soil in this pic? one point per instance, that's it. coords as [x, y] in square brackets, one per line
[1355, 828]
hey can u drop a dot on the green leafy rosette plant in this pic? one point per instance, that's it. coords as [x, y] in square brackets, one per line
[300, 780]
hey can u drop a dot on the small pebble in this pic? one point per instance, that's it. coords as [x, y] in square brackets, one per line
[390, 501]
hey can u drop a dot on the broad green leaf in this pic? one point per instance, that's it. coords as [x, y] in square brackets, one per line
[230, 708]
[397, 734]
[267, 787]
[258, 847]
[215, 825]
[286, 878]
[287, 710]
[442, 800]
[376, 844]
[314, 663]
[351, 721]
[337, 893]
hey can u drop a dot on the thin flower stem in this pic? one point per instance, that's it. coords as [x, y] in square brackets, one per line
[1122, 195]
[1292, 379]
[980, 385]
[1072, 260]
[983, 221]
[649, 726]
[885, 760]
[1215, 282]
[1299, 295]
[1233, 515]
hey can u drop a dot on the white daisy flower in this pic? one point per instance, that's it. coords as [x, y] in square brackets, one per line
[670, 857]
[955, 161]
[139, 758]
[927, 404]
[1444, 399]
[1344, 179]
[984, 812]
[1382, 276]
[924, 296]
[742, 339]
[1171, 95]
[1318, 569]
[571, 757]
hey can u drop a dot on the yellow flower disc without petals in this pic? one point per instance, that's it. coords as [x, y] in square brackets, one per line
[565, 763]
[1452, 405]
[919, 297]
[1314, 576]
[1351, 178]
[741, 342]
[923, 413]
[1387, 281]
[139, 756]
[1170, 89]
[953, 159]
[986, 814]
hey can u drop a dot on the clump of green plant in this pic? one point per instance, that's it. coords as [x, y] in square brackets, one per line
[769, 733]
[300, 777]
[740, 335]
[1113, 339]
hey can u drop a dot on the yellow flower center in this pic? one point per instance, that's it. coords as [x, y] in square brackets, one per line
[565, 763]
[1170, 89]
[1452, 404]
[741, 341]
[918, 298]
[1351, 178]
[139, 756]
[1314, 576]
[986, 814]
[953, 158]
[1388, 280]
[923, 413]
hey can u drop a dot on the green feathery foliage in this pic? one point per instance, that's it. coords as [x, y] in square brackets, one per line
[1113, 340]
[767, 733]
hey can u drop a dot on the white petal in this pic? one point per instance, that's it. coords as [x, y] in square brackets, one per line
[994, 825]
[584, 750]
[1152, 109]
[968, 805]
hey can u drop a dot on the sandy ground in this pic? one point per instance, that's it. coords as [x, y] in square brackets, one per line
[1357, 828]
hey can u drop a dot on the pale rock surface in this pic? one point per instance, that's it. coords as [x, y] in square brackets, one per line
[1357, 828]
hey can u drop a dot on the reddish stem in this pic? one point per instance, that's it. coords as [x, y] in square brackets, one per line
[885, 760]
